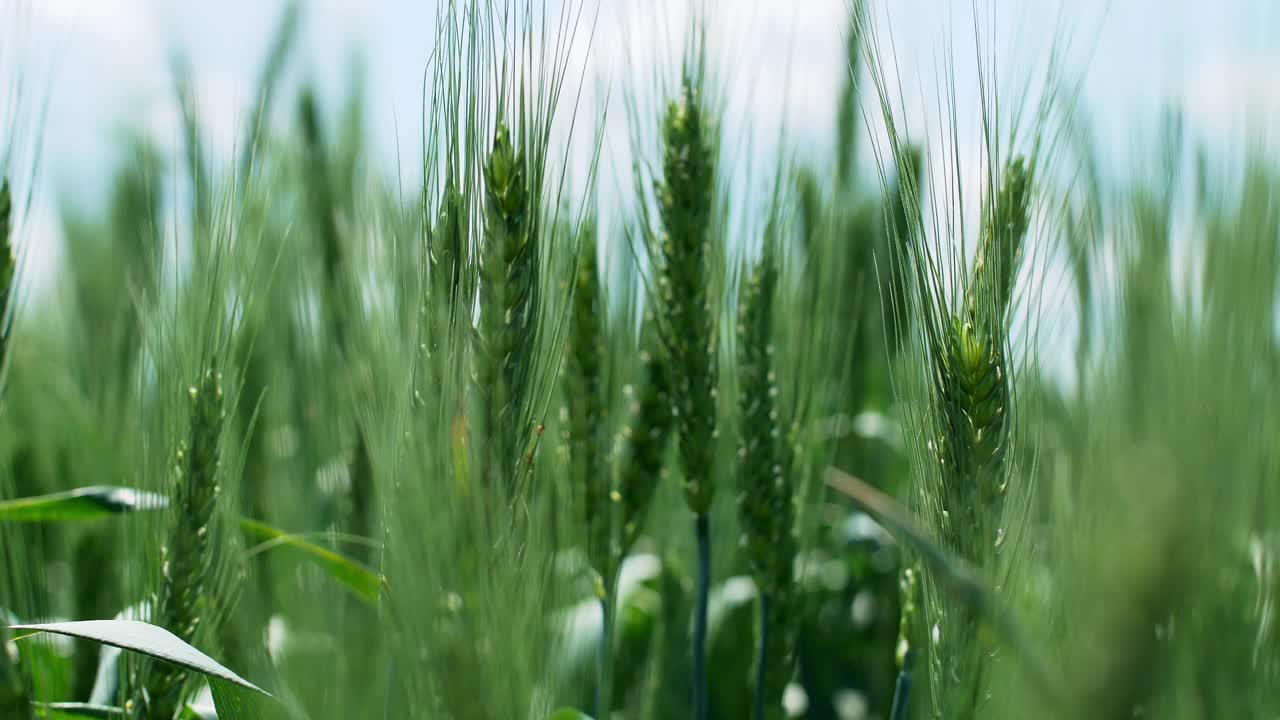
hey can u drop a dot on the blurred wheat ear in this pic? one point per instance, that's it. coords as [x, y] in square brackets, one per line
[184, 601]
[644, 439]
[13, 686]
[508, 309]
[8, 272]
[767, 497]
[684, 255]
[586, 410]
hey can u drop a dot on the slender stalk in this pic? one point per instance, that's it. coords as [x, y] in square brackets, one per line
[762, 658]
[13, 690]
[701, 703]
[902, 689]
[604, 656]
[905, 654]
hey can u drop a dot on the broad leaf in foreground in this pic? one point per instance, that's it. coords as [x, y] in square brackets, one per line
[954, 574]
[145, 638]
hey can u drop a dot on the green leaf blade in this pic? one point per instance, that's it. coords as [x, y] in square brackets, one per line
[87, 503]
[147, 639]
[76, 711]
[365, 583]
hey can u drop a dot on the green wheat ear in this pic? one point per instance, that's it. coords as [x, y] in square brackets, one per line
[684, 255]
[187, 558]
[8, 265]
[644, 440]
[686, 200]
[766, 503]
[6, 232]
[448, 251]
[971, 376]
[1003, 231]
[967, 350]
[586, 409]
[13, 693]
[508, 305]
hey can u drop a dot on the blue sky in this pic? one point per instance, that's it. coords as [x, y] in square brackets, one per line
[107, 65]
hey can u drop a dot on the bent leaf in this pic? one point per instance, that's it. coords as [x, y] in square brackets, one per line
[86, 503]
[953, 573]
[145, 638]
[365, 583]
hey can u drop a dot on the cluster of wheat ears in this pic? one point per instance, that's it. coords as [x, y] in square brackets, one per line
[289, 439]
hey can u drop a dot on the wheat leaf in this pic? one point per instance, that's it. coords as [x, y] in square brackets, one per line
[365, 583]
[74, 710]
[87, 503]
[953, 573]
[147, 639]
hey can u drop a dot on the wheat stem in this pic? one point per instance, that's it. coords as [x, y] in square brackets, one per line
[604, 654]
[762, 658]
[766, 505]
[686, 201]
[13, 692]
[905, 654]
[902, 689]
[701, 701]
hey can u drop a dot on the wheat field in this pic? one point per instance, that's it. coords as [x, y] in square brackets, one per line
[677, 421]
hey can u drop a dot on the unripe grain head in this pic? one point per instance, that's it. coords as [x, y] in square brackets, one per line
[766, 503]
[586, 410]
[8, 266]
[644, 442]
[508, 305]
[686, 196]
[183, 603]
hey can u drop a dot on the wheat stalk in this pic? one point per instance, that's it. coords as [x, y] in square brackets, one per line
[585, 412]
[13, 691]
[904, 654]
[685, 198]
[968, 416]
[686, 195]
[766, 503]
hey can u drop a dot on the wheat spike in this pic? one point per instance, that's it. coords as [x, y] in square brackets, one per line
[187, 557]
